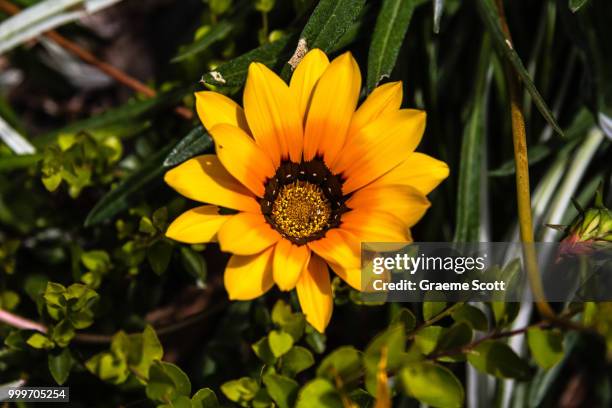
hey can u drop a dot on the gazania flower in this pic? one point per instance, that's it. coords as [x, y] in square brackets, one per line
[311, 177]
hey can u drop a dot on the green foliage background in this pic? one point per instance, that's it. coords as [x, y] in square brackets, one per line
[125, 317]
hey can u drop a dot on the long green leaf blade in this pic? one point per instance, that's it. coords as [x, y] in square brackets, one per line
[489, 15]
[233, 73]
[329, 21]
[576, 5]
[196, 142]
[218, 32]
[389, 31]
[129, 190]
[470, 168]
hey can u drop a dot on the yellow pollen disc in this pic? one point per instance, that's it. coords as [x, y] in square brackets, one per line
[301, 210]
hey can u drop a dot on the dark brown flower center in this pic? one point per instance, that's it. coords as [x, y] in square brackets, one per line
[302, 201]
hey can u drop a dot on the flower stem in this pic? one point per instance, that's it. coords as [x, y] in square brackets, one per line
[523, 194]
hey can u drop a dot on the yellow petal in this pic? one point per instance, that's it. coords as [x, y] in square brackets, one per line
[289, 262]
[246, 161]
[374, 226]
[384, 99]
[338, 247]
[305, 78]
[332, 106]
[246, 234]
[214, 108]
[198, 225]
[273, 115]
[379, 147]
[419, 171]
[315, 294]
[404, 202]
[204, 179]
[248, 277]
[352, 276]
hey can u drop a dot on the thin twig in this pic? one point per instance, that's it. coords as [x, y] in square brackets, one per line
[20, 322]
[523, 194]
[563, 322]
[105, 67]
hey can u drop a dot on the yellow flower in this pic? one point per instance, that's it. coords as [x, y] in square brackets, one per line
[310, 175]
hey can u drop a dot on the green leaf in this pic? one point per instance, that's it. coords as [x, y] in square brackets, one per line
[467, 228]
[428, 337]
[535, 155]
[498, 359]
[318, 393]
[129, 190]
[109, 367]
[455, 337]
[263, 351]
[505, 312]
[196, 142]
[432, 384]
[471, 314]
[8, 300]
[132, 111]
[576, 5]
[389, 31]
[405, 317]
[489, 15]
[167, 382]
[232, 74]
[431, 309]
[143, 349]
[241, 390]
[216, 33]
[204, 398]
[280, 342]
[40, 341]
[52, 181]
[60, 365]
[329, 20]
[292, 323]
[159, 255]
[296, 360]
[393, 341]
[283, 390]
[546, 346]
[9, 163]
[96, 260]
[344, 362]
[194, 263]
[181, 401]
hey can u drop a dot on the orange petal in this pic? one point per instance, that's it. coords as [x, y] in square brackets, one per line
[273, 115]
[246, 161]
[315, 294]
[384, 99]
[247, 234]
[289, 262]
[379, 147]
[352, 276]
[248, 277]
[374, 226]
[338, 247]
[204, 179]
[198, 225]
[214, 108]
[305, 78]
[333, 103]
[419, 171]
[404, 202]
